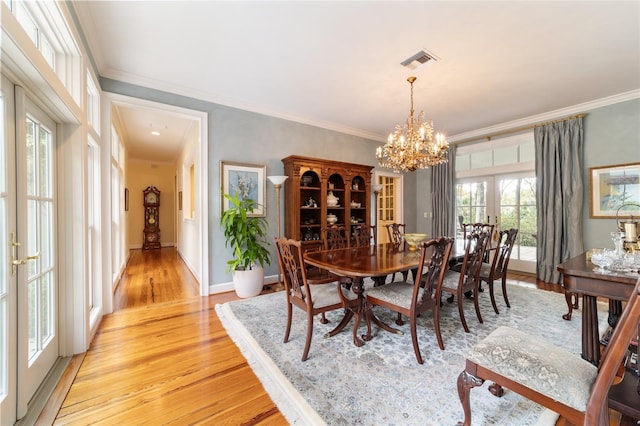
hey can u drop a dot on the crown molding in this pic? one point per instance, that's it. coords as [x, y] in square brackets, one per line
[547, 116]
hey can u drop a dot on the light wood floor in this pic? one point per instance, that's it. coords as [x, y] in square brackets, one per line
[164, 358]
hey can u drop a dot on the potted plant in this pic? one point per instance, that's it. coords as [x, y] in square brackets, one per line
[247, 236]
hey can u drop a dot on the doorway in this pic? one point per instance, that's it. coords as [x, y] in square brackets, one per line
[389, 203]
[506, 201]
[188, 228]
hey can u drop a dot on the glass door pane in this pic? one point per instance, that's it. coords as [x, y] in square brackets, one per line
[517, 209]
[473, 202]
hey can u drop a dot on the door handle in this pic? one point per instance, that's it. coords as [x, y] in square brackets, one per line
[17, 262]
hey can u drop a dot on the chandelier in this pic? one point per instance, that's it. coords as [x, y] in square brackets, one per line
[414, 145]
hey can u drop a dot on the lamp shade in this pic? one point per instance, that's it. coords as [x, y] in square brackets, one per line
[277, 180]
[377, 187]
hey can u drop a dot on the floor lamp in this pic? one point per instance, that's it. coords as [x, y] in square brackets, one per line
[377, 187]
[277, 182]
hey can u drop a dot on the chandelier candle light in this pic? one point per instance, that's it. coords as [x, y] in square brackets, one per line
[414, 145]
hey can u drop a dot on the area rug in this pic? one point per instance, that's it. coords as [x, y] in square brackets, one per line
[381, 383]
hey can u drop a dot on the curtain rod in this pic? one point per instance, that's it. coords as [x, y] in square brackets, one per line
[517, 130]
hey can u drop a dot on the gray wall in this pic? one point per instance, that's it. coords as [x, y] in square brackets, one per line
[611, 136]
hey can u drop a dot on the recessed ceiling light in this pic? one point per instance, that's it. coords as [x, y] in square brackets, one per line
[154, 133]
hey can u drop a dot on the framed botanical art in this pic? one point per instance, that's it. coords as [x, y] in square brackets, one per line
[612, 187]
[246, 180]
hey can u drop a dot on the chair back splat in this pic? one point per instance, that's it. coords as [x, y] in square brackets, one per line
[395, 231]
[570, 385]
[364, 235]
[335, 237]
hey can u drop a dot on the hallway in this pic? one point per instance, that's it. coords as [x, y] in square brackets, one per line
[154, 276]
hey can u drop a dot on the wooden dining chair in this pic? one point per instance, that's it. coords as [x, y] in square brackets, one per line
[364, 235]
[396, 232]
[549, 375]
[468, 279]
[413, 299]
[314, 299]
[334, 237]
[497, 269]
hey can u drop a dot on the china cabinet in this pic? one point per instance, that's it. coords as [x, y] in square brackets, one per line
[320, 193]
[151, 232]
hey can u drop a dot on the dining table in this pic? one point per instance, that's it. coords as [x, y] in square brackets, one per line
[357, 263]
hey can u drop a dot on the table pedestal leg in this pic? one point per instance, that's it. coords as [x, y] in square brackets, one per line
[590, 338]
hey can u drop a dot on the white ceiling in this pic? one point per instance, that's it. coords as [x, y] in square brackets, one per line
[337, 64]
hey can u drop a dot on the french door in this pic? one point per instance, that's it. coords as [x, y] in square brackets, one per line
[388, 208]
[507, 201]
[28, 284]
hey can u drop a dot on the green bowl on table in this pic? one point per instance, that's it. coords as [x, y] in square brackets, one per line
[413, 240]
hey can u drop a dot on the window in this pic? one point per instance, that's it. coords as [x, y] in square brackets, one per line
[93, 104]
[45, 24]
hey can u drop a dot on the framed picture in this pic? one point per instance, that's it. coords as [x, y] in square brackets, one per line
[179, 200]
[126, 199]
[247, 180]
[612, 187]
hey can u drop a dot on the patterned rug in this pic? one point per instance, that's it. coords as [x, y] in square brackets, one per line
[381, 383]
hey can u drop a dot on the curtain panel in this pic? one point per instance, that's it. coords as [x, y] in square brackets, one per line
[443, 196]
[559, 164]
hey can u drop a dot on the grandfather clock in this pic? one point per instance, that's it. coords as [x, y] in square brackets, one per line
[151, 233]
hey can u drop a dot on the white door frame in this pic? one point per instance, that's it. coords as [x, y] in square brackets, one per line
[398, 180]
[203, 213]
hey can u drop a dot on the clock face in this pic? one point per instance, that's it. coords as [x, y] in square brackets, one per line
[151, 198]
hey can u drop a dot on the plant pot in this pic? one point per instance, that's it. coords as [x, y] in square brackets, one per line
[248, 283]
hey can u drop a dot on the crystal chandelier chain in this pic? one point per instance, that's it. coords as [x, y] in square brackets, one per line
[414, 145]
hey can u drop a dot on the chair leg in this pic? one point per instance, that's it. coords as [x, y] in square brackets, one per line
[493, 297]
[461, 311]
[414, 339]
[323, 319]
[504, 291]
[436, 324]
[476, 304]
[399, 320]
[466, 381]
[307, 344]
[288, 328]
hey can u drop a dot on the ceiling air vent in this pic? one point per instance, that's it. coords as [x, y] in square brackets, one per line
[419, 59]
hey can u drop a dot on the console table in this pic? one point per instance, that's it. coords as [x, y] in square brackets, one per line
[579, 277]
